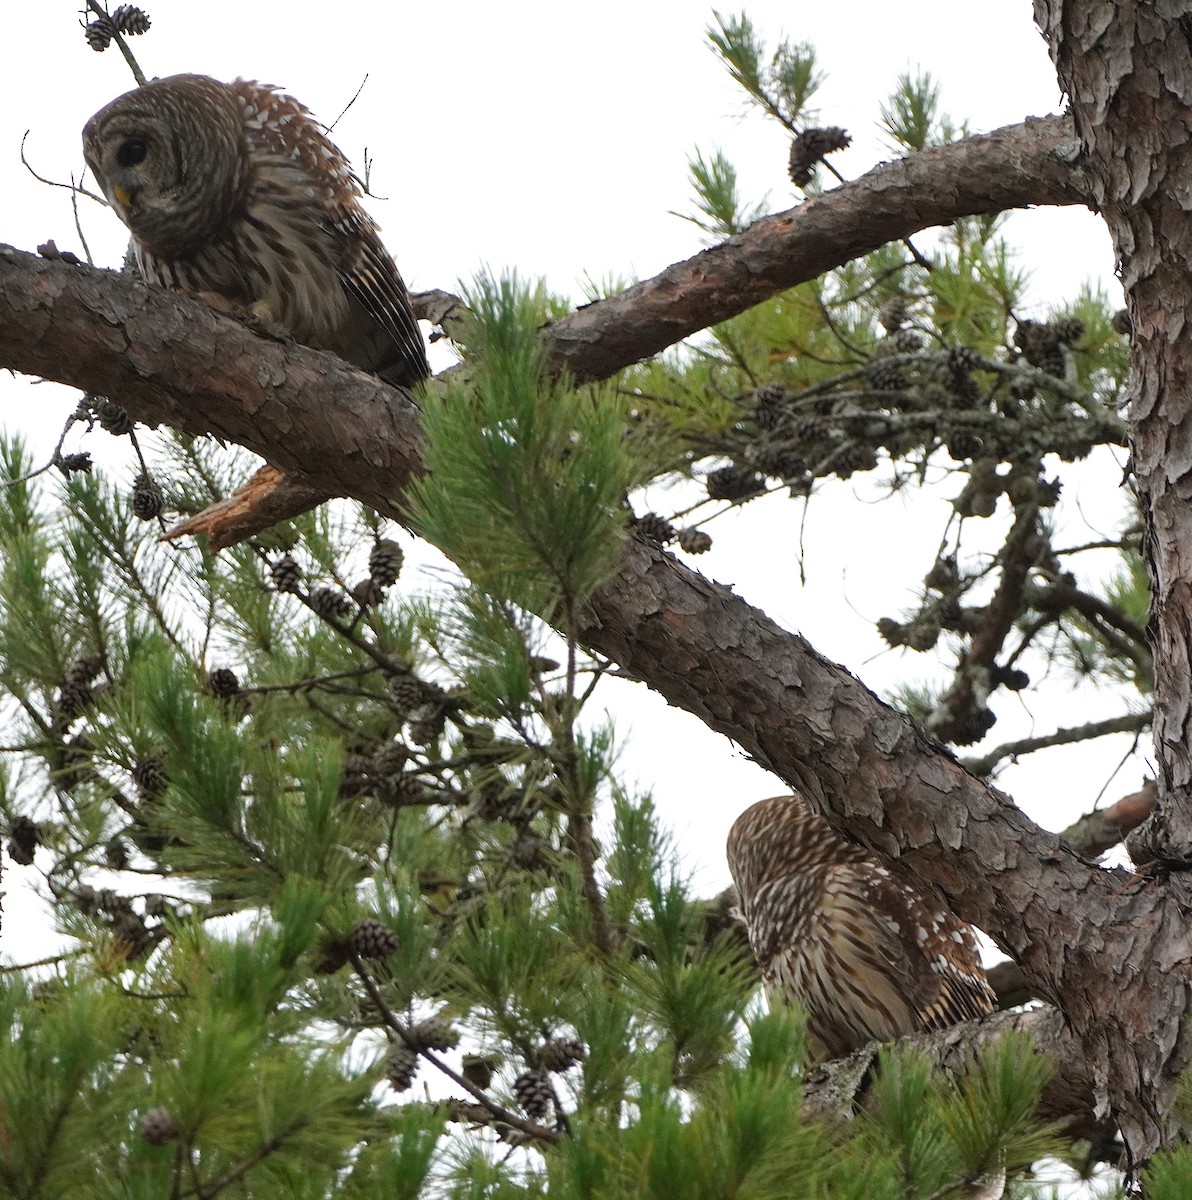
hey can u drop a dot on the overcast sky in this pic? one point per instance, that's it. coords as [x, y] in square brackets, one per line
[554, 138]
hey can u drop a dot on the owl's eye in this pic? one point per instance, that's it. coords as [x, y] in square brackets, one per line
[132, 151]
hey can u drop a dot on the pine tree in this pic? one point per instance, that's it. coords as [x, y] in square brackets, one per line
[354, 901]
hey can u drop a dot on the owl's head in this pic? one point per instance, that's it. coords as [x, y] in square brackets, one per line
[779, 837]
[168, 157]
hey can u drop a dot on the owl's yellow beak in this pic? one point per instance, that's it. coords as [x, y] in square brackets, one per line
[122, 194]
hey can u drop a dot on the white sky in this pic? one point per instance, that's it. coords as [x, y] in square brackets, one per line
[555, 138]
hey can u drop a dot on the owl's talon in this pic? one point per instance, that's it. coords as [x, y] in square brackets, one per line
[256, 317]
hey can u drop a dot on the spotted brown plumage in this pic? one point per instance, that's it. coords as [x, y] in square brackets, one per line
[865, 950]
[233, 189]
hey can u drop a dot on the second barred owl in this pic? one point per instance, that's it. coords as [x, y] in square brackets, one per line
[868, 953]
[234, 189]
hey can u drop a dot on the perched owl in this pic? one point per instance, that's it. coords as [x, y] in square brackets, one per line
[234, 189]
[868, 953]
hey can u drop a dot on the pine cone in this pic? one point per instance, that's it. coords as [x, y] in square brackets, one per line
[401, 1065]
[368, 593]
[389, 758]
[150, 777]
[809, 148]
[561, 1054]
[922, 634]
[893, 632]
[100, 33]
[405, 693]
[73, 699]
[132, 935]
[403, 789]
[963, 358]
[534, 1093]
[129, 19]
[371, 939]
[851, 459]
[385, 561]
[157, 1127]
[434, 1035]
[695, 541]
[732, 483]
[426, 732]
[84, 669]
[904, 341]
[113, 417]
[1013, 679]
[943, 575]
[963, 445]
[1068, 330]
[654, 528]
[115, 853]
[356, 779]
[286, 574]
[886, 376]
[330, 603]
[1040, 346]
[147, 498]
[768, 411]
[893, 313]
[224, 683]
[973, 726]
[71, 464]
[478, 1069]
[23, 840]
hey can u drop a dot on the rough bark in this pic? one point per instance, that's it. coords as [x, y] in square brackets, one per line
[1101, 944]
[1031, 163]
[1127, 67]
[1069, 1097]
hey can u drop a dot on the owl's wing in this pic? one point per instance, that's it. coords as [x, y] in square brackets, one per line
[896, 937]
[371, 279]
[293, 156]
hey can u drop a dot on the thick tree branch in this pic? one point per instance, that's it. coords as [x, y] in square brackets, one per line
[1015, 167]
[170, 360]
[1070, 1097]
[173, 361]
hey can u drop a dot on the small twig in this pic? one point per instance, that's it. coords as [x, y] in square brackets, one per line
[306, 685]
[56, 455]
[1097, 831]
[135, 67]
[1129, 723]
[259, 1155]
[42, 962]
[72, 186]
[529, 1128]
[355, 96]
[74, 207]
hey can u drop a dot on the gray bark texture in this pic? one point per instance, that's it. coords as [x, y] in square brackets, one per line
[1112, 950]
[1127, 70]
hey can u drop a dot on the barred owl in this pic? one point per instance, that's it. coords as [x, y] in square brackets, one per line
[234, 189]
[868, 953]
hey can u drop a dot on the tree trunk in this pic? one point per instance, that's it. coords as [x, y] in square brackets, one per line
[1127, 69]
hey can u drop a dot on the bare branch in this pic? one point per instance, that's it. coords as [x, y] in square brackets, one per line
[1127, 723]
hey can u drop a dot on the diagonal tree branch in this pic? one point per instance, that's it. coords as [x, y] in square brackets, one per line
[1070, 925]
[1018, 166]
[172, 361]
